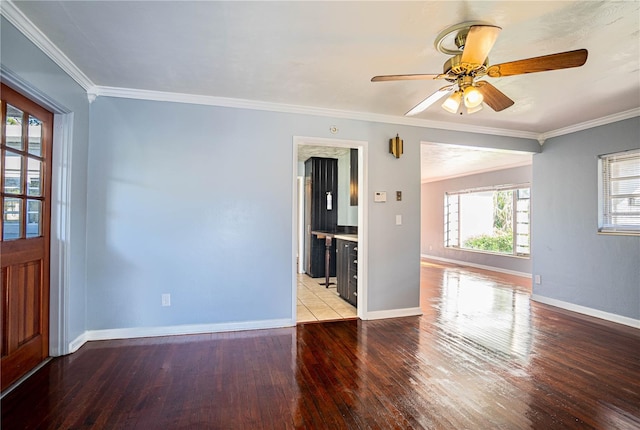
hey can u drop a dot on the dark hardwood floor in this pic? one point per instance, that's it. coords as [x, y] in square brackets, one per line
[481, 357]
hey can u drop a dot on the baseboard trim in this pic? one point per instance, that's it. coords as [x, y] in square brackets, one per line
[393, 313]
[631, 322]
[76, 343]
[136, 332]
[477, 266]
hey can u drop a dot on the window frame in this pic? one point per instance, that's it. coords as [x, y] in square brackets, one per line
[451, 230]
[605, 194]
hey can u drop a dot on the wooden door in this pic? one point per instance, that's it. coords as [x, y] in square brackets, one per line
[25, 183]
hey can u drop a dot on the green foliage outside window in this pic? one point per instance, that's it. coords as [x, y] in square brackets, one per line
[500, 243]
[502, 238]
[502, 211]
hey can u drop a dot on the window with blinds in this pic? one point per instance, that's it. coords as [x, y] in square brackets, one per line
[619, 195]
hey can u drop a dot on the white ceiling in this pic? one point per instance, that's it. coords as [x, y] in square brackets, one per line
[442, 161]
[306, 151]
[323, 54]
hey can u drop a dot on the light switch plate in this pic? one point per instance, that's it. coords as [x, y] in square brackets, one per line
[398, 219]
[380, 196]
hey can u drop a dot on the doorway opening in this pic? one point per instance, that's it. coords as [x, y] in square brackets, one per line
[329, 249]
[475, 207]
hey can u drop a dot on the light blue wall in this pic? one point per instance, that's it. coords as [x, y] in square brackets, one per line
[576, 264]
[432, 242]
[188, 200]
[28, 64]
[196, 201]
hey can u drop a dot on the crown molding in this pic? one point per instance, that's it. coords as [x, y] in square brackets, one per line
[631, 113]
[15, 16]
[305, 110]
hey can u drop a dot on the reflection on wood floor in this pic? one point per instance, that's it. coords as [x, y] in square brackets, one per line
[481, 357]
[488, 309]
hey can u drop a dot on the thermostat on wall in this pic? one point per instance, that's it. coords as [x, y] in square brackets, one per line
[380, 197]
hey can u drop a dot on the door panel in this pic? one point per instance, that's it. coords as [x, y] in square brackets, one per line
[22, 293]
[25, 184]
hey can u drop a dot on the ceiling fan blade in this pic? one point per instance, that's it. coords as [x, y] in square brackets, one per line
[424, 104]
[479, 42]
[562, 60]
[495, 98]
[415, 77]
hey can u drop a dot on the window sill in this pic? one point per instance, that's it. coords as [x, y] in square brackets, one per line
[497, 254]
[618, 233]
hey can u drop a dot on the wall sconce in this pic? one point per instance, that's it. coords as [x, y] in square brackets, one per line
[395, 146]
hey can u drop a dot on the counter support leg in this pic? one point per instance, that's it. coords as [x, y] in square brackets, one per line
[327, 262]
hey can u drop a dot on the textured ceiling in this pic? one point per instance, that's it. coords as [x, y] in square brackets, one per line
[306, 151]
[441, 161]
[323, 54]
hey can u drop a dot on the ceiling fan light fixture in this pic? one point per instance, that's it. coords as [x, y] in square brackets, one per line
[469, 44]
[474, 109]
[472, 97]
[452, 103]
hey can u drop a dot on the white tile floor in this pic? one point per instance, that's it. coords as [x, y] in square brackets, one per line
[317, 303]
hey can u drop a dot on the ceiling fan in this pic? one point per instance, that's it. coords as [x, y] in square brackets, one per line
[469, 62]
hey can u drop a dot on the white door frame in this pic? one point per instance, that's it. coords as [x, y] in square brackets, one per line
[363, 231]
[300, 224]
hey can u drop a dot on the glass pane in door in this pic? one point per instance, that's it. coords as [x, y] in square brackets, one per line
[34, 224]
[11, 218]
[34, 172]
[12, 173]
[35, 136]
[14, 127]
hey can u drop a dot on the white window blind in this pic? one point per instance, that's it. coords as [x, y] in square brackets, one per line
[620, 192]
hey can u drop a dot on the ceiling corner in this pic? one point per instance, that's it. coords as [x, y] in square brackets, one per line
[9, 10]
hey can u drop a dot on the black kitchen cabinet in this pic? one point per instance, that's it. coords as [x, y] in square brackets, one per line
[321, 213]
[347, 270]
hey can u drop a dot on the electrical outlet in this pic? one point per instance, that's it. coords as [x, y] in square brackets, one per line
[166, 299]
[537, 279]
